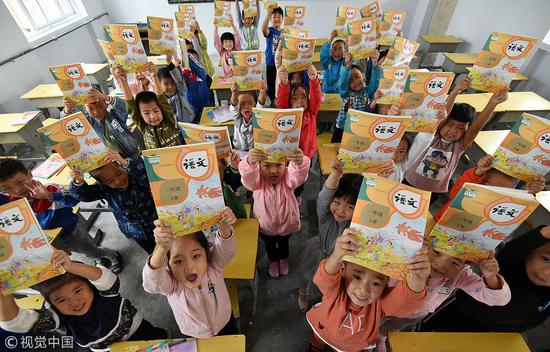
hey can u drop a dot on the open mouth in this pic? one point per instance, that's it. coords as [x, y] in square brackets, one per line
[192, 278]
[80, 307]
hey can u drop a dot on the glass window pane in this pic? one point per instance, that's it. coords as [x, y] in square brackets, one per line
[35, 12]
[51, 10]
[66, 7]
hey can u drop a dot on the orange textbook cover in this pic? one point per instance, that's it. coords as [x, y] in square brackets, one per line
[392, 83]
[344, 15]
[390, 26]
[126, 46]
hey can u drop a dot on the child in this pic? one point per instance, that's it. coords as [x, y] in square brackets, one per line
[243, 102]
[275, 205]
[355, 298]
[202, 49]
[293, 77]
[175, 88]
[333, 62]
[53, 207]
[524, 266]
[249, 28]
[150, 111]
[125, 186]
[272, 38]
[182, 269]
[225, 45]
[140, 84]
[85, 302]
[231, 179]
[296, 96]
[198, 82]
[486, 175]
[335, 205]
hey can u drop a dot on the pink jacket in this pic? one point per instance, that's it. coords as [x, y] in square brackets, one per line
[226, 56]
[275, 206]
[198, 312]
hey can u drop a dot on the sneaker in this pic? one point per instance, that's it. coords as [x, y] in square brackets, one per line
[116, 263]
[303, 301]
[274, 269]
[283, 267]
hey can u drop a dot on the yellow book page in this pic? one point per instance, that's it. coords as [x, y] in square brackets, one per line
[160, 33]
[392, 83]
[345, 14]
[372, 9]
[294, 17]
[362, 38]
[106, 47]
[193, 133]
[401, 53]
[126, 46]
[222, 14]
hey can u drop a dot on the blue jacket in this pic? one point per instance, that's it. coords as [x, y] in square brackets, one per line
[199, 93]
[332, 70]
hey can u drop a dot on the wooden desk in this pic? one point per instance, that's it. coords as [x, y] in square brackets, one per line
[518, 78]
[158, 60]
[221, 87]
[331, 104]
[544, 199]
[456, 342]
[478, 101]
[489, 141]
[319, 42]
[22, 134]
[326, 154]
[517, 103]
[98, 74]
[45, 96]
[229, 343]
[317, 60]
[243, 264]
[457, 62]
[207, 121]
[436, 44]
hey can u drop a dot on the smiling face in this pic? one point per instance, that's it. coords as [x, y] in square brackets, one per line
[341, 209]
[276, 20]
[337, 50]
[188, 261]
[444, 265]
[272, 172]
[363, 286]
[537, 266]
[299, 98]
[151, 113]
[356, 79]
[17, 185]
[453, 130]
[112, 175]
[168, 86]
[227, 44]
[400, 151]
[246, 103]
[73, 298]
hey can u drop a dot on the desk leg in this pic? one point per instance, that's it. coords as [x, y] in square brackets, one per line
[255, 284]
[33, 138]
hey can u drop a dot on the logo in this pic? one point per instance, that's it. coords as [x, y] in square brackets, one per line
[436, 85]
[366, 27]
[506, 212]
[303, 46]
[252, 60]
[470, 193]
[386, 130]
[350, 13]
[128, 35]
[516, 48]
[165, 26]
[408, 48]
[299, 12]
[369, 181]
[73, 72]
[406, 202]
[153, 159]
[286, 123]
[396, 18]
[399, 74]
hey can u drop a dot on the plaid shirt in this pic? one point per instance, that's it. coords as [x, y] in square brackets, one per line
[355, 100]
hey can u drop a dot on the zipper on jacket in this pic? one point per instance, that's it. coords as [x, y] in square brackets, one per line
[205, 306]
[157, 137]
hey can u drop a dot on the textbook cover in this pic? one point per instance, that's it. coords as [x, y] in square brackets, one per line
[294, 17]
[248, 69]
[50, 167]
[188, 11]
[250, 8]
[525, 152]
[425, 93]
[345, 14]
[392, 83]
[277, 131]
[401, 53]
[106, 47]
[126, 46]
[25, 255]
[297, 53]
[160, 32]
[300, 33]
[193, 133]
[391, 218]
[499, 61]
[369, 140]
[184, 26]
[222, 14]
[373, 9]
[72, 81]
[390, 26]
[362, 38]
[479, 218]
[271, 4]
[186, 186]
[77, 142]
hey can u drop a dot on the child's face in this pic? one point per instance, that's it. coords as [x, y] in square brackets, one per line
[73, 298]
[97, 109]
[140, 76]
[276, 19]
[247, 21]
[356, 80]
[537, 266]
[444, 265]
[496, 178]
[168, 86]
[384, 109]
[246, 103]
[400, 151]
[363, 286]
[151, 113]
[227, 44]
[113, 176]
[17, 185]
[272, 172]
[337, 50]
[341, 209]
[188, 261]
[453, 130]
[299, 99]
[296, 77]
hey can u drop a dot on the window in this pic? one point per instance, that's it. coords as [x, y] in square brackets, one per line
[37, 18]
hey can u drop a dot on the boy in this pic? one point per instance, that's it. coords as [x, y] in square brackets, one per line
[249, 28]
[125, 186]
[272, 37]
[333, 62]
[200, 38]
[108, 117]
[52, 206]
[243, 103]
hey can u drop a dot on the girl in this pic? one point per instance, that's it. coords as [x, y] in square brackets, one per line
[182, 269]
[85, 302]
[225, 45]
[296, 96]
[275, 205]
[243, 102]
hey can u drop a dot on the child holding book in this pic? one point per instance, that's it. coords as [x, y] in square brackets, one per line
[333, 62]
[151, 112]
[123, 183]
[225, 45]
[231, 180]
[183, 270]
[243, 102]
[203, 48]
[86, 303]
[249, 28]
[53, 207]
[355, 298]
[275, 205]
[272, 38]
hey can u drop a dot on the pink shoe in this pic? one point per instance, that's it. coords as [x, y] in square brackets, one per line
[274, 269]
[283, 267]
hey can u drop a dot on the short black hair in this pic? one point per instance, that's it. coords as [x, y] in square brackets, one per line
[349, 187]
[146, 97]
[408, 137]
[227, 36]
[354, 66]
[192, 51]
[48, 287]
[164, 73]
[278, 10]
[188, 42]
[463, 112]
[251, 93]
[383, 54]
[9, 167]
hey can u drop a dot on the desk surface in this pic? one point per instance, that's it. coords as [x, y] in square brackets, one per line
[456, 342]
[462, 58]
[92, 69]
[544, 199]
[243, 264]
[317, 56]
[331, 102]
[42, 91]
[518, 77]
[6, 121]
[320, 41]
[441, 39]
[207, 121]
[524, 101]
[220, 82]
[478, 101]
[229, 343]
[489, 141]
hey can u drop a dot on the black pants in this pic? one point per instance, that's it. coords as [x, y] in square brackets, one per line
[230, 328]
[276, 246]
[146, 331]
[337, 135]
[271, 73]
[148, 245]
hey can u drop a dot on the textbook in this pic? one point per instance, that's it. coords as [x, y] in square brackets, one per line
[76, 141]
[250, 8]
[369, 140]
[373, 9]
[392, 83]
[425, 93]
[300, 33]
[50, 166]
[193, 133]
[25, 255]
[392, 218]
[221, 114]
[176, 345]
[188, 11]
[362, 38]
[499, 61]
[248, 69]
[297, 53]
[72, 81]
[276, 131]
[186, 186]
[271, 4]
[390, 26]
[184, 26]
[401, 53]
[222, 14]
[345, 14]
[126, 46]
[294, 17]
[525, 152]
[106, 47]
[160, 32]
[479, 218]
[24, 118]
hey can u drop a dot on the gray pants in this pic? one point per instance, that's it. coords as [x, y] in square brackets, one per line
[80, 241]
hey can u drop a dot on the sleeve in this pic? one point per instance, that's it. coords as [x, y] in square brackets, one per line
[223, 252]
[418, 147]
[237, 35]
[120, 111]
[324, 56]
[283, 95]
[178, 79]
[136, 168]
[323, 201]
[315, 96]
[297, 175]
[86, 192]
[108, 282]
[401, 301]
[158, 281]
[202, 41]
[374, 81]
[217, 41]
[199, 71]
[167, 113]
[29, 320]
[343, 83]
[257, 18]
[132, 112]
[475, 286]
[62, 196]
[326, 283]
[514, 253]
[250, 175]
[62, 113]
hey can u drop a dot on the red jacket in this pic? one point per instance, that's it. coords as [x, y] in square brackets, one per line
[468, 176]
[308, 134]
